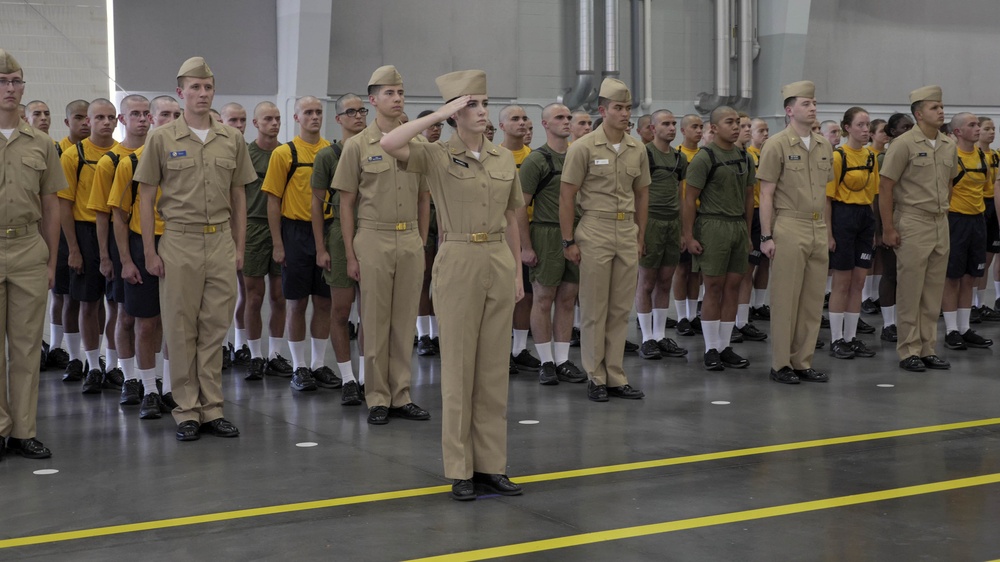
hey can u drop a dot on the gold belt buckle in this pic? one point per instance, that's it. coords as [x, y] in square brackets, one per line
[11, 231]
[815, 216]
[402, 226]
[210, 229]
[620, 216]
[479, 237]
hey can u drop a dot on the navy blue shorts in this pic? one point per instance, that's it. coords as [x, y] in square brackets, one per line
[88, 286]
[300, 276]
[854, 231]
[968, 245]
[142, 300]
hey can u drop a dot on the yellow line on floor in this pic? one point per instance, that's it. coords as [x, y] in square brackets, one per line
[711, 520]
[417, 492]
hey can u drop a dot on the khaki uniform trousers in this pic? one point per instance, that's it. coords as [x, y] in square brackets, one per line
[23, 288]
[474, 300]
[921, 267]
[798, 280]
[609, 269]
[197, 298]
[392, 273]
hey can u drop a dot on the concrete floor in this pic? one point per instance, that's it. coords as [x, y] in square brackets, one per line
[117, 470]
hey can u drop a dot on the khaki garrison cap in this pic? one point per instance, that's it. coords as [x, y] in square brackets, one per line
[462, 83]
[927, 93]
[615, 90]
[803, 89]
[8, 63]
[385, 76]
[195, 67]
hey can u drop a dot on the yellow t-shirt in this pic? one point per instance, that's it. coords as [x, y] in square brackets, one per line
[121, 196]
[65, 143]
[967, 194]
[754, 152]
[104, 175]
[861, 180]
[519, 156]
[689, 154]
[295, 193]
[79, 188]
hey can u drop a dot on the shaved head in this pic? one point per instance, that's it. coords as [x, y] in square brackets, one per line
[962, 119]
[690, 119]
[342, 101]
[553, 108]
[76, 106]
[720, 113]
[263, 106]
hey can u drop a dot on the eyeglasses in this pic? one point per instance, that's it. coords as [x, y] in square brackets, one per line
[17, 83]
[355, 112]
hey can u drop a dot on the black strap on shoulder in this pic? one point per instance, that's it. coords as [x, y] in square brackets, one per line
[295, 162]
[135, 186]
[550, 175]
[59, 149]
[869, 166]
[676, 170]
[338, 149]
[982, 169]
[742, 161]
[115, 158]
[82, 160]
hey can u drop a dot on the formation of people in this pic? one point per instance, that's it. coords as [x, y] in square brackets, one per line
[453, 245]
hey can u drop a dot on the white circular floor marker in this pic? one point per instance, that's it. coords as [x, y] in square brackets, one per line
[720, 403]
[528, 422]
[885, 385]
[306, 444]
[45, 471]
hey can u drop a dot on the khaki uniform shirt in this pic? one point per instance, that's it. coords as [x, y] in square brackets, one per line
[922, 172]
[385, 192]
[195, 177]
[471, 195]
[800, 175]
[29, 169]
[606, 177]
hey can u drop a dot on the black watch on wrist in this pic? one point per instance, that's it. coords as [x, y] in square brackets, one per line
[568, 243]
[765, 238]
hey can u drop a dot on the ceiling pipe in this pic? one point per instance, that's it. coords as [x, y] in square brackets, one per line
[610, 38]
[647, 58]
[638, 53]
[723, 36]
[583, 92]
[745, 64]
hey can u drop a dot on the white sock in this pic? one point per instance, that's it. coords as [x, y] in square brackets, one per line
[980, 296]
[112, 359]
[681, 306]
[710, 331]
[660, 316]
[298, 350]
[577, 317]
[101, 340]
[423, 326]
[346, 371]
[725, 333]
[434, 327]
[975, 298]
[963, 320]
[646, 325]
[148, 378]
[93, 358]
[742, 315]
[520, 342]
[273, 347]
[361, 370]
[866, 289]
[158, 364]
[254, 346]
[127, 365]
[167, 385]
[996, 289]
[74, 345]
[836, 326]
[950, 322]
[876, 281]
[692, 307]
[544, 350]
[829, 283]
[55, 335]
[560, 352]
[241, 337]
[888, 315]
[353, 317]
[851, 325]
[318, 353]
[759, 296]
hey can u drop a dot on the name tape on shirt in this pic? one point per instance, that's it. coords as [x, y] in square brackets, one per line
[794, 157]
[922, 154]
[377, 158]
[178, 153]
[460, 163]
[602, 162]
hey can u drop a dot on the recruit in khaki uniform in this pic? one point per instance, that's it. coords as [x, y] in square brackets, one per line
[30, 176]
[793, 199]
[476, 279]
[389, 250]
[915, 191]
[613, 196]
[204, 212]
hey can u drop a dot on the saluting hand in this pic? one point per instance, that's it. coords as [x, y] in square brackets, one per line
[453, 107]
